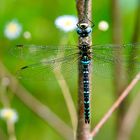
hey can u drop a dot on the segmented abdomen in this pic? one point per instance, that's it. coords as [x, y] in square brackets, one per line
[86, 92]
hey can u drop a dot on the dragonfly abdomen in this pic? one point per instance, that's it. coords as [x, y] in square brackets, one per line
[86, 90]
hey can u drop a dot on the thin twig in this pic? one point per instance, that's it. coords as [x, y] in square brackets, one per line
[3, 135]
[115, 105]
[6, 104]
[65, 89]
[80, 8]
[86, 9]
[3, 95]
[82, 128]
[68, 99]
[130, 119]
[37, 107]
[11, 130]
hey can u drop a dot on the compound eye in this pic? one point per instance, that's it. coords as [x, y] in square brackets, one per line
[79, 31]
[89, 30]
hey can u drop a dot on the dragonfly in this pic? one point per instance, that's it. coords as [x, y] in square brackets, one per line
[42, 60]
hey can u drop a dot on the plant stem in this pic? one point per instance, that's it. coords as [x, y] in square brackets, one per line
[3, 135]
[130, 119]
[118, 69]
[65, 89]
[6, 104]
[134, 39]
[115, 105]
[136, 33]
[84, 13]
[131, 115]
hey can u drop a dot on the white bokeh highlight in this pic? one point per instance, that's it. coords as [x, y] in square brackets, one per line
[9, 115]
[66, 23]
[12, 29]
[103, 25]
[27, 35]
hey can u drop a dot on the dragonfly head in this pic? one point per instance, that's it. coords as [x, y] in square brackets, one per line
[83, 29]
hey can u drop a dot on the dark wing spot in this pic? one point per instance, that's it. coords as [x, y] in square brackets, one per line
[24, 67]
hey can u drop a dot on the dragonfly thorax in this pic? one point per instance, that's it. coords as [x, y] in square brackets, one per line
[85, 54]
[84, 47]
[83, 29]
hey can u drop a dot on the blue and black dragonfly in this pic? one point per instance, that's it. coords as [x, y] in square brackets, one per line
[42, 60]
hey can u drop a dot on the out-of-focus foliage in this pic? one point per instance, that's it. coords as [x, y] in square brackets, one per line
[36, 19]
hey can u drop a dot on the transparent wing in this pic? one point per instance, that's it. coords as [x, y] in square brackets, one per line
[45, 68]
[43, 60]
[105, 57]
[34, 52]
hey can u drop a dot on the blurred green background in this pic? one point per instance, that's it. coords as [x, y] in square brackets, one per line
[37, 17]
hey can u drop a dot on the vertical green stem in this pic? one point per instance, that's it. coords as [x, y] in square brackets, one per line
[118, 69]
[135, 38]
[126, 130]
